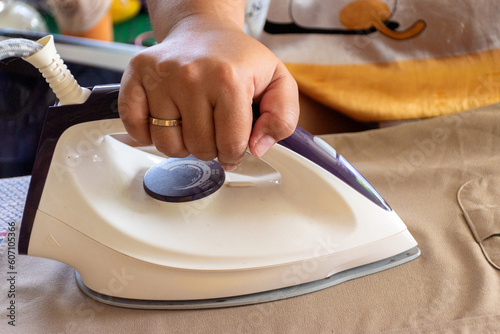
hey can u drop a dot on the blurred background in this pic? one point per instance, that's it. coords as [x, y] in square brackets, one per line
[95, 38]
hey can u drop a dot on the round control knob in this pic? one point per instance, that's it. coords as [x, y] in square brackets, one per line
[183, 180]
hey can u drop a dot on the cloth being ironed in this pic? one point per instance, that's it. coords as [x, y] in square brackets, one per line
[440, 175]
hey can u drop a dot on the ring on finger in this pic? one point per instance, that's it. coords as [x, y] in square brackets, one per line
[165, 122]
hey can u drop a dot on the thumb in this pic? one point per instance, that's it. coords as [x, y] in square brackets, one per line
[279, 112]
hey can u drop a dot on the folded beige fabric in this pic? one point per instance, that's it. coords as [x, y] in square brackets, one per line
[441, 175]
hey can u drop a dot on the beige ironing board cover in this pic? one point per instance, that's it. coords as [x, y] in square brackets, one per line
[443, 178]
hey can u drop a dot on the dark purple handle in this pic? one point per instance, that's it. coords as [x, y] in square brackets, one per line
[314, 149]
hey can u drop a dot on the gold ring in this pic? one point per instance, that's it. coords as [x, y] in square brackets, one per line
[165, 122]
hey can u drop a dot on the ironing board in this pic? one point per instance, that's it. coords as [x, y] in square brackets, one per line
[12, 196]
[441, 175]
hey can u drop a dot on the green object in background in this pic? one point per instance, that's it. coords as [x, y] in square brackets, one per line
[51, 23]
[125, 32]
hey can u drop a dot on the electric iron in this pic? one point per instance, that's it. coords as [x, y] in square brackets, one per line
[143, 230]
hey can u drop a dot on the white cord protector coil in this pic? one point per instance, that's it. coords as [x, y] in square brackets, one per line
[57, 74]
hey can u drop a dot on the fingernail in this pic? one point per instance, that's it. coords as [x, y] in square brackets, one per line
[264, 144]
[229, 168]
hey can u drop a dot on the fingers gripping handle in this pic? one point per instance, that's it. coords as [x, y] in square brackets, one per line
[318, 151]
[102, 104]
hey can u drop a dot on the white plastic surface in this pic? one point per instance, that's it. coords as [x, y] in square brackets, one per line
[276, 222]
[56, 73]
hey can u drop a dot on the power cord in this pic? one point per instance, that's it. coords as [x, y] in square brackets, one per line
[43, 55]
[18, 47]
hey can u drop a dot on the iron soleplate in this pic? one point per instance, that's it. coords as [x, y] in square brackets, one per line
[255, 298]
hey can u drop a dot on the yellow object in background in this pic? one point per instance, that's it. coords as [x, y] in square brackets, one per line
[123, 10]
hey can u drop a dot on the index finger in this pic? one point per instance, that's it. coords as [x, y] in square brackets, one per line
[133, 108]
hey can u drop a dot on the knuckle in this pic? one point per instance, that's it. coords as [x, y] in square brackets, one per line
[284, 125]
[204, 155]
[139, 59]
[202, 147]
[288, 127]
[127, 118]
[228, 77]
[233, 149]
[171, 150]
[227, 73]
[203, 152]
[129, 115]
[191, 73]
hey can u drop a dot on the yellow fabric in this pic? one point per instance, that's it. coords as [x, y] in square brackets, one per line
[387, 60]
[406, 89]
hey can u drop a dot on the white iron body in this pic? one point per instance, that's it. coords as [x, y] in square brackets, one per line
[276, 222]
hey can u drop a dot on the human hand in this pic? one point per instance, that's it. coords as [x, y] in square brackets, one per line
[208, 73]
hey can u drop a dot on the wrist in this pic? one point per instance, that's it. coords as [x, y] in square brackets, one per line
[167, 16]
